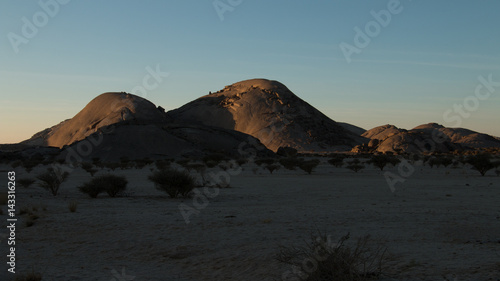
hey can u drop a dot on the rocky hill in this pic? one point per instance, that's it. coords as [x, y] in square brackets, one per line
[430, 137]
[114, 125]
[269, 111]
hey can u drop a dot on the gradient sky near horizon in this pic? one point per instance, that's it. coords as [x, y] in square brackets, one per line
[423, 63]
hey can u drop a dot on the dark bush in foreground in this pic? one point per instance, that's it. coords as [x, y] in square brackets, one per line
[52, 180]
[110, 184]
[324, 259]
[174, 183]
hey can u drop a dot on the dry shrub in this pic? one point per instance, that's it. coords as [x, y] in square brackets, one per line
[110, 184]
[72, 206]
[30, 276]
[52, 180]
[325, 260]
[174, 183]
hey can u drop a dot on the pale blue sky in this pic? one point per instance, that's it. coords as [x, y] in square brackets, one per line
[427, 58]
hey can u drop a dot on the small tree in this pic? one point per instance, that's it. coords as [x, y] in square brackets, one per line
[271, 168]
[309, 166]
[382, 160]
[337, 161]
[481, 162]
[52, 179]
[173, 182]
[291, 163]
[355, 165]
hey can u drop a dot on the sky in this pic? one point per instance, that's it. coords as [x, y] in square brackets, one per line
[368, 63]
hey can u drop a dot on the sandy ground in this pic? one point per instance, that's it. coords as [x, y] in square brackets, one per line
[440, 224]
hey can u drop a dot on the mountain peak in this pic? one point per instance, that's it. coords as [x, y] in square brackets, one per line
[270, 112]
[263, 84]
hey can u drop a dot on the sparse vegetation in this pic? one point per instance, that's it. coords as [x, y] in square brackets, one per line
[89, 168]
[241, 161]
[267, 161]
[31, 216]
[381, 160]
[481, 163]
[214, 159]
[110, 184]
[272, 167]
[438, 161]
[72, 206]
[141, 163]
[337, 160]
[291, 163]
[26, 182]
[174, 183]
[323, 259]
[30, 276]
[355, 165]
[309, 165]
[52, 180]
[162, 164]
[30, 164]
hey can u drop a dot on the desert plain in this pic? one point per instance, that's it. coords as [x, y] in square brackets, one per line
[440, 223]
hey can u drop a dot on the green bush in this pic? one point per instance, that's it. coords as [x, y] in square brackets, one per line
[52, 180]
[174, 183]
[110, 184]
